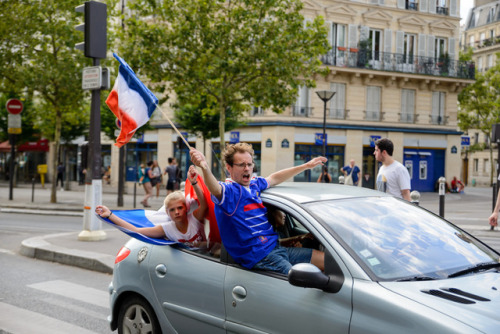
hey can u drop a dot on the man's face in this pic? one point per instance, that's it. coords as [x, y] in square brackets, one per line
[378, 154]
[177, 210]
[241, 170]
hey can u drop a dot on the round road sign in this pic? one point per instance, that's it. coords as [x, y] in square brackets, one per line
[14, 106]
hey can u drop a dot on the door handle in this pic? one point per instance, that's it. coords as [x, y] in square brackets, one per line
[161, 270]
[239, 292]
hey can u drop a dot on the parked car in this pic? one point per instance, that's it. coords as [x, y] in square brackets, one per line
[390, 267]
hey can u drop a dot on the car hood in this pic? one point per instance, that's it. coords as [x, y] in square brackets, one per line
[473, 300]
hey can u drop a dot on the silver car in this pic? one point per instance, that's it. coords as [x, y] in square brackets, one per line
[390, 267]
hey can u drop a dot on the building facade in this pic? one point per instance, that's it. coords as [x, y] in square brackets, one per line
[481, 33]
[395, 72]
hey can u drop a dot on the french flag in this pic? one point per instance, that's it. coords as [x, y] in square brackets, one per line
[131, 102]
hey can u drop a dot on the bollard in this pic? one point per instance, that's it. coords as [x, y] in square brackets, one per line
[135, 192]
[341, 179]
[415, 197]
[32, 190]
[442, 190]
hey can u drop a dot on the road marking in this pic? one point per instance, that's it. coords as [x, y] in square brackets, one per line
[6, 251]
[17, 320]
[74, 291]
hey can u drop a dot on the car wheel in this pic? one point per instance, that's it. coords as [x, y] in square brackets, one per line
[137, 316]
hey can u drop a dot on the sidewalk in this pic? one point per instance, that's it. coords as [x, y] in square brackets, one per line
[470, 211]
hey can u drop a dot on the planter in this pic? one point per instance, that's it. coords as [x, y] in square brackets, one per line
[341, 48]
[353, 50]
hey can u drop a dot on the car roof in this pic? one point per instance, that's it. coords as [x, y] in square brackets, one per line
[303, 192]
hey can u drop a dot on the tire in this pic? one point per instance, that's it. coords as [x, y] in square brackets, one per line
[137, 316]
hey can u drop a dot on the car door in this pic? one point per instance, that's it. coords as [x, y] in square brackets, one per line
[189, 287]
[265, 302]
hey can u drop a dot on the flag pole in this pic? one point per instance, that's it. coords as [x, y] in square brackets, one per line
[175, 128]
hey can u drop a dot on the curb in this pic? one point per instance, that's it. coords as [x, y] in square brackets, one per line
[39, 248]
[39, 211]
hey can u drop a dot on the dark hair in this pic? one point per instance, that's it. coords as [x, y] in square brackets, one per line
[170, 160]
[150, 163]
[385, 144]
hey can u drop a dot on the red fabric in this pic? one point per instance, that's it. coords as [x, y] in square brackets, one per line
[214, 235]
[129, 125]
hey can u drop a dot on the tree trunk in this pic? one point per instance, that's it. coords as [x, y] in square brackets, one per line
[57, 144]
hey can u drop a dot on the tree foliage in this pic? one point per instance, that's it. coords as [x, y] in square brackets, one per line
[38, 62]
[236, 54]
[480, 105]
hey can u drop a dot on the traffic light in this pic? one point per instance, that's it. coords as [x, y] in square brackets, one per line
[94, 29]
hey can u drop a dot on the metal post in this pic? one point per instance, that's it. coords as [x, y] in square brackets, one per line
[121, 176]
[442, 190]
[135, 193]
[32, 190]
[12, 165]
[415, 197]
[324, 128]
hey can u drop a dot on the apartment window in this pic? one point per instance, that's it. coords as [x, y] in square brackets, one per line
[486, 165]
[492, 33]
[475, 167]
[437, 116]
[301, 107]
[491, 15]
[337, 103]
[439, 47]
[256, 111]
[471, 41]
[480, 63]
[412, 4]
[376, 39]
[407, 105]
[339, 43]
[490, 61]
[476, 138]
[373, 94]
[410, 44]
[441, 7]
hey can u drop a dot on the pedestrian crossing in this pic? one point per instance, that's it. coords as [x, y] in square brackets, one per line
[86, 301]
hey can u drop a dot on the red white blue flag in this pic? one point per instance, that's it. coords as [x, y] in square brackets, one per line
[131, 102]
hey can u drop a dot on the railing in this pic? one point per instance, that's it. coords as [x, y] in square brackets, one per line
[438, 119]
[395, 62]
[338, 113]
[302, 111]
[407, 117]
[411, 5]
[442, 10]
[376, 116]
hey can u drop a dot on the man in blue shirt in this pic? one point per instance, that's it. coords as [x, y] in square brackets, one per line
[352, 170]
[242, 218]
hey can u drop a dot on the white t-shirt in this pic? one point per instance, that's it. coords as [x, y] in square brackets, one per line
[194, 234]
[393, 179]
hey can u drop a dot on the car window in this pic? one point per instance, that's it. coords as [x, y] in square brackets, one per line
[393, 239]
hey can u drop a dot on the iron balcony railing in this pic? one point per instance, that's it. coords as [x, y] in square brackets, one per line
[395, 62]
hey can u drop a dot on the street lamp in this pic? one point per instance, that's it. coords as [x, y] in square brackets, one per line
[326, 96]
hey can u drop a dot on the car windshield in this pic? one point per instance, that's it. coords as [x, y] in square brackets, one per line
[395, 240]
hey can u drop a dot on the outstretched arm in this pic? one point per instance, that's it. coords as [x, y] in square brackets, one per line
[199, 160]
[200, 212]
[284, 174]
[153, 232]
[494, 216]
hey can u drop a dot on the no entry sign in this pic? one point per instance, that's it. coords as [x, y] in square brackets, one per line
[14, 106]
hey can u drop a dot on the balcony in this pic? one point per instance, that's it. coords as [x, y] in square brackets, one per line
[411, 5]
[302, 111]
[407, 117]
[337, 113]
[438, 119]
[374, 115]
[442, 10]
[394, 62]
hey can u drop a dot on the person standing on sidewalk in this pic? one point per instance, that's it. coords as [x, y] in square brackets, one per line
[353, 171]
[145, 180]
[60, 175]
[242, 217]
[172, 171]
[393, 177]
[156, 170]
[493, 220]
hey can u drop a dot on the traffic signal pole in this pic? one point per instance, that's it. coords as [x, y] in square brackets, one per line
[94, 47]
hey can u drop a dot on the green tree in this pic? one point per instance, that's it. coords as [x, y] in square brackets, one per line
[38, 58]
[237, 53]
[480, 105]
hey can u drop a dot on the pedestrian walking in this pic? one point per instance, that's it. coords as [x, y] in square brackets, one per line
[392, 177]
[352, 173]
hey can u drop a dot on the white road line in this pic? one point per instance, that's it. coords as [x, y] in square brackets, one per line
[6, 251]
[19, 321]
[74, 291]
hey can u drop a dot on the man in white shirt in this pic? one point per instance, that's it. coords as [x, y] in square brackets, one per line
[393, 177]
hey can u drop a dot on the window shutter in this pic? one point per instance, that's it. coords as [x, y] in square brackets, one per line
[432, 6]
[421, 45]
[353, 35]
[401, 4]
[451, 48]
[387, 41]
[453, 8]
[430, 46]
[423, 5]
[400, 35]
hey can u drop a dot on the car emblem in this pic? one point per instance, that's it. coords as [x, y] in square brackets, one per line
[143, 252]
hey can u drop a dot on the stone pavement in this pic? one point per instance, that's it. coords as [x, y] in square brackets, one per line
[470, 211]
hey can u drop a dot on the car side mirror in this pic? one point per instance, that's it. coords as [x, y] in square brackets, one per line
[307, 275]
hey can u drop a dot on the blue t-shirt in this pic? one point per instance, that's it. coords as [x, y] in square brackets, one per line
[242, 218]
[354, 173]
